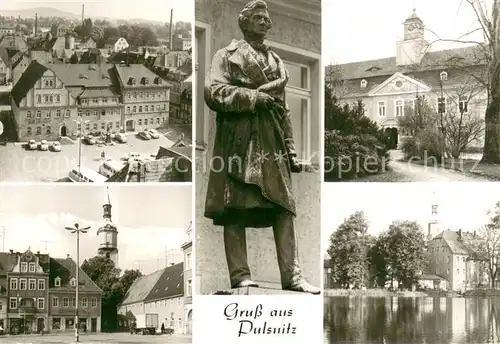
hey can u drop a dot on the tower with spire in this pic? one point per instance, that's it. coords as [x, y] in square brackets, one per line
[109, 242]
[433, 225]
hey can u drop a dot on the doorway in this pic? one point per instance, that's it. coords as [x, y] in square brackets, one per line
[40, 326]
[391, 136]
[64, 131]
[129, 125]
[93, 325]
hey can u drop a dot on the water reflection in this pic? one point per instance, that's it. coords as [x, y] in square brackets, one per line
[411, 320]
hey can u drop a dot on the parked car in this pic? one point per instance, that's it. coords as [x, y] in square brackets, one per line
[56, 146]
[32, 145]
[44, 145]
[121, 137]
[154, 133]
[89, 140]
[145, 135]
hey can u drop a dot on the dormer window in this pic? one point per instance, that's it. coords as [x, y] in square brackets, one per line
[373, 69]
[158, 80]
[364, 83]
[145, 80]
[72, 282]
[24, 267]
[443, 76]
[131, 81]
[57, 282]
[32, 267]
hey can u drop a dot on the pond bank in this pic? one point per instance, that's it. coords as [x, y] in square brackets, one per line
[387, 293]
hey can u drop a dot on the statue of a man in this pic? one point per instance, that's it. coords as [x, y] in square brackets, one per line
[254, 151]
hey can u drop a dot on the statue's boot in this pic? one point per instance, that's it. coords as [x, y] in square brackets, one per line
[287, 252]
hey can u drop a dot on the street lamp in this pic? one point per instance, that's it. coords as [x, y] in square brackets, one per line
[76, 229]
[81, 123]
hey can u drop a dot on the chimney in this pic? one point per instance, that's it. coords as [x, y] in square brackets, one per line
[11, 251]
[171, 36]
[37, 253]
[460, 234]
[474, 234]
[172, 264]
[68, 256]
[83, 12]
[36, 24]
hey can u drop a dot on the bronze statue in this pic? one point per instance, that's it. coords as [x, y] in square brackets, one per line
[254, 151]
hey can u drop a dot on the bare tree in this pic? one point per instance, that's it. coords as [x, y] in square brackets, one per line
[489, 246]
[482, 62]
[334, 80]
[461, 124]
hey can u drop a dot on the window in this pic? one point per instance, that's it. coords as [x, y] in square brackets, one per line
[41, 303]
[399, 108]
[93, 303]
[134, 109]
[47, 83]
[13, 303]
[103, 125]
[32, 267]
[51, 98]
[189, 288]
[55, 301]
[49, 114]
[72, 282]
[145, 121]
[443, 76]
[381, 109]
[140, 108]
[51, 83]
[38, 130]
[58, 98]
[364, 83]
[145, 108]
[57, 282]
[188, 261]
[32, 284]
[65, 302]
[103, 113]
[128, 109]
[39, 98]
[24, 267]
[13, 283]
[79, 113]
[141, 96]
[73, 302]
[463, 104]
[28, 131]
[139, 121]
[95, 126]
[441, 105]
[22, 284]
[85, 302]
[135, 95]
[41, 284]
[68, 113]
[28, 114]
[56, 323]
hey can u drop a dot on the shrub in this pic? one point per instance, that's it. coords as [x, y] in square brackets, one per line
[427, 144]
[354, 144]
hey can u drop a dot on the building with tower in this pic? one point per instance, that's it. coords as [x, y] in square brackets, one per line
[390, 86]
[453, 260]
[108, 232]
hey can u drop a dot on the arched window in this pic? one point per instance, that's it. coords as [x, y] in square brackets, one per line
[38, 130]
[58, 98]
[140, 108]
[128, 109]
[39, 98]
[134, 109]
[46, 98]
[443, 76]
[364, 83]
[51, 99]
[145, 108]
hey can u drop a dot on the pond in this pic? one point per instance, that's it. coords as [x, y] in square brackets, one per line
[408, 320]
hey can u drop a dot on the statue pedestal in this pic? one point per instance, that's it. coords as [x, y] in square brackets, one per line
[263, 291]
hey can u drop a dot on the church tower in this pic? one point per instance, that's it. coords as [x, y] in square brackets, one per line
[433, 225]
[109, 243]
[413, 47]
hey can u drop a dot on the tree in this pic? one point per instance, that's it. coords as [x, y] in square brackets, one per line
[489, 245]
[482, 64]
[405, 252]
[103, 272]
[378, 259]
[348, 252]
[74, 59]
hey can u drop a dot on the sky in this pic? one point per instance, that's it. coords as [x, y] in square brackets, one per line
[460, 205]
[151, 221]
[359, 30]
[158, 10]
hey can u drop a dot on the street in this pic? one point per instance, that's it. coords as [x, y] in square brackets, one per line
[20, 165]
[402, 171]
[97, 338]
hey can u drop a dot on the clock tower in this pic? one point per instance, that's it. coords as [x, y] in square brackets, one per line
[109, 242]
[413, 47]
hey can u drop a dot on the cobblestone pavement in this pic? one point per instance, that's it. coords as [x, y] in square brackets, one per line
[97, 338]
[20, 165]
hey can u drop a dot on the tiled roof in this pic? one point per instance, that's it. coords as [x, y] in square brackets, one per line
[65, 268]
[377, 71]
[458, 244]
[138, 72]
[93, 93]
[141, 287]
[89, 75]
[170, 284]
[28, 79]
